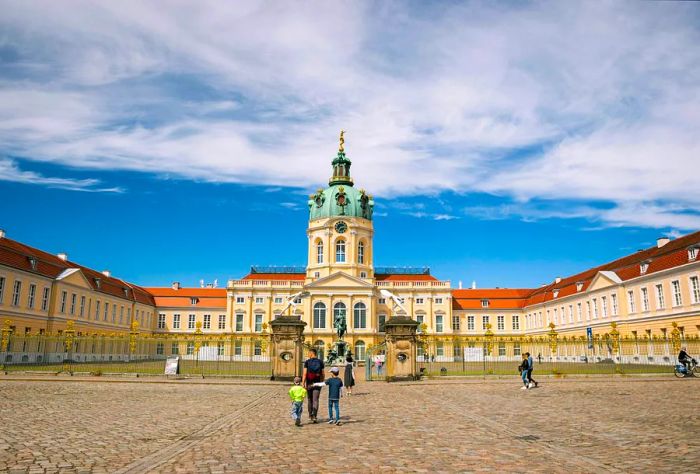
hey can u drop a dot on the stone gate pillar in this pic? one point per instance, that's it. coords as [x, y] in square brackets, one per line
[287, 351]
[401, 349]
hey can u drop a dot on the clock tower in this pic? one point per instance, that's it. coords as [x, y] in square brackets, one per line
[340, 227]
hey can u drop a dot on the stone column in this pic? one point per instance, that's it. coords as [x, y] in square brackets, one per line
[401, 349]
[287, 349]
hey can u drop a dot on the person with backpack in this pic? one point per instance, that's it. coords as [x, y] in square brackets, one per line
[530, 367]
[312, 374]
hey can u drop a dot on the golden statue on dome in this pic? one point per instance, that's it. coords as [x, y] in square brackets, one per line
[341, 147]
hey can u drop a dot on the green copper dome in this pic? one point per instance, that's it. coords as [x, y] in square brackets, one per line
[340, 198]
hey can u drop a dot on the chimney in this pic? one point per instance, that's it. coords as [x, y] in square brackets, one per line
[460, 284]
[557, 280]
[473, 284]
[2, 233]
[107, 273]
[661, 241]
[63, 256]
[175, 285]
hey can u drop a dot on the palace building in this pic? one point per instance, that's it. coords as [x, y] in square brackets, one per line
[646, 293]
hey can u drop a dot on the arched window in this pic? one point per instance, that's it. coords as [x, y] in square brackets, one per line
[320, 346]
[319, 315]
[361, 252]
[340, 251]
[360, 350]
[360, 316]
[319, 251]
[338, 310]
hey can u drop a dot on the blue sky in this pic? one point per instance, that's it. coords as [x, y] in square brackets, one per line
[504, 143]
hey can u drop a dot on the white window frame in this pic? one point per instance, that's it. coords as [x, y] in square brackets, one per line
[471, 323]
[438, 301]
[161, 321]
[515, 321]
[31, 297]
[630, 301]
[222, 322]
[176, 321]
[694, 282]
[82, 306]
[240, 322]
[604, 306]
[419, 300]
[191, 321]
[359, 312]
[456, 323]
[319, 251]
[279, 300]
[258, 322]
[240, 300]
[320, 313]
[361, 253]
[501, 322]
[645, 299]
[484, 303]
[207, 322]
[484, 321]
[660, 297]
[676, 290]
[439, 323]
[340, 253]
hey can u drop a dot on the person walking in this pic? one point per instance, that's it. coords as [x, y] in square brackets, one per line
[523, 371]
[349, 374]
[530, 365]
[297, 394]
[334, 393]
[378, 365]
[312, 374]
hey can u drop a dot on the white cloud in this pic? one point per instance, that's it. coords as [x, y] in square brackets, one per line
[604, 97]
[9, 171]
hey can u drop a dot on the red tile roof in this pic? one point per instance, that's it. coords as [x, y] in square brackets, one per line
[498, 298]
[205, 297]
[188, 292]
[17, 255]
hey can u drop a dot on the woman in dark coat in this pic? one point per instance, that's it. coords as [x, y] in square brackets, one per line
[349, 375]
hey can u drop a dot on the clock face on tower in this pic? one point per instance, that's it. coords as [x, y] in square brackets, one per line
[341, 227]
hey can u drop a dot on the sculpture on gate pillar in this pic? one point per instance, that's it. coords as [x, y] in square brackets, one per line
[401, 343]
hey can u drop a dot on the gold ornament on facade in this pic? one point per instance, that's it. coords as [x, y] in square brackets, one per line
[615, 338]
[552, 338]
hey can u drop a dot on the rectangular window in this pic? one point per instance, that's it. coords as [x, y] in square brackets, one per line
[440, 349]
[340, 251]
[438, 323]
[660, 302]
[97, 310]
[191, 321]
[382, 323]
[501, 349]
[176, 321]
[556, 316]
[278, 300]
[160, 348]
[470, 323]
[239, 322]
[613, 301]
[121, 314]
[220, 348]
[190, 348]
[32, 296]
[259, 300]
[419, 300]
[16, 292]
[258, 322]
[501, 322]
[455, 322]
[64, 297]
[604, 305]
[207, 321]
[106, 314]
[677, 299]
[222, 321]
[516, 322]
[484, 322]
[161, 321]
[174, 348]
[382, 301]
[645, 299]
[238, 348]
[484, 303]
[438, 300]
[82, 306]
[630, 301]
[114, 313]
[361, 253]
[73, 298]
[419, 318]
[595, 308]
[240, 300]
[695, 289]
[2, 288]
[516, 348]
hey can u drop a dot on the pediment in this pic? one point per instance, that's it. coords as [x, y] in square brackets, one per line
[74, 276]
[604, 279]
[340, 280]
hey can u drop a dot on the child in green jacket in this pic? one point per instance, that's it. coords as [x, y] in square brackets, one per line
[297, 394]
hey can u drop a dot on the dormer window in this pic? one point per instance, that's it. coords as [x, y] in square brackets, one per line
[484, 303]
[98, 283]
[555, 293]
[32, 262]
[643, 267]
[579, 286]
[193, 301]
[692, 253]
[126, 292]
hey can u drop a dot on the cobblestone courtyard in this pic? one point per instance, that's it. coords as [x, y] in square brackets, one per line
[571, 425]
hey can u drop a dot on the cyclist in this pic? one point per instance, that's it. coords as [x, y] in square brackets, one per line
[685, 359]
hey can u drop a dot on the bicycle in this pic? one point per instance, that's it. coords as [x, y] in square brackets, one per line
[693, 369]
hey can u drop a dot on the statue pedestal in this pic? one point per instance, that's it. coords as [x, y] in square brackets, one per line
[287, 350]
[401, 349]
[337, 354]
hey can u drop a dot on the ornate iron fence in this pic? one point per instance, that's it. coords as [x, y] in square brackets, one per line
[199, 354]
